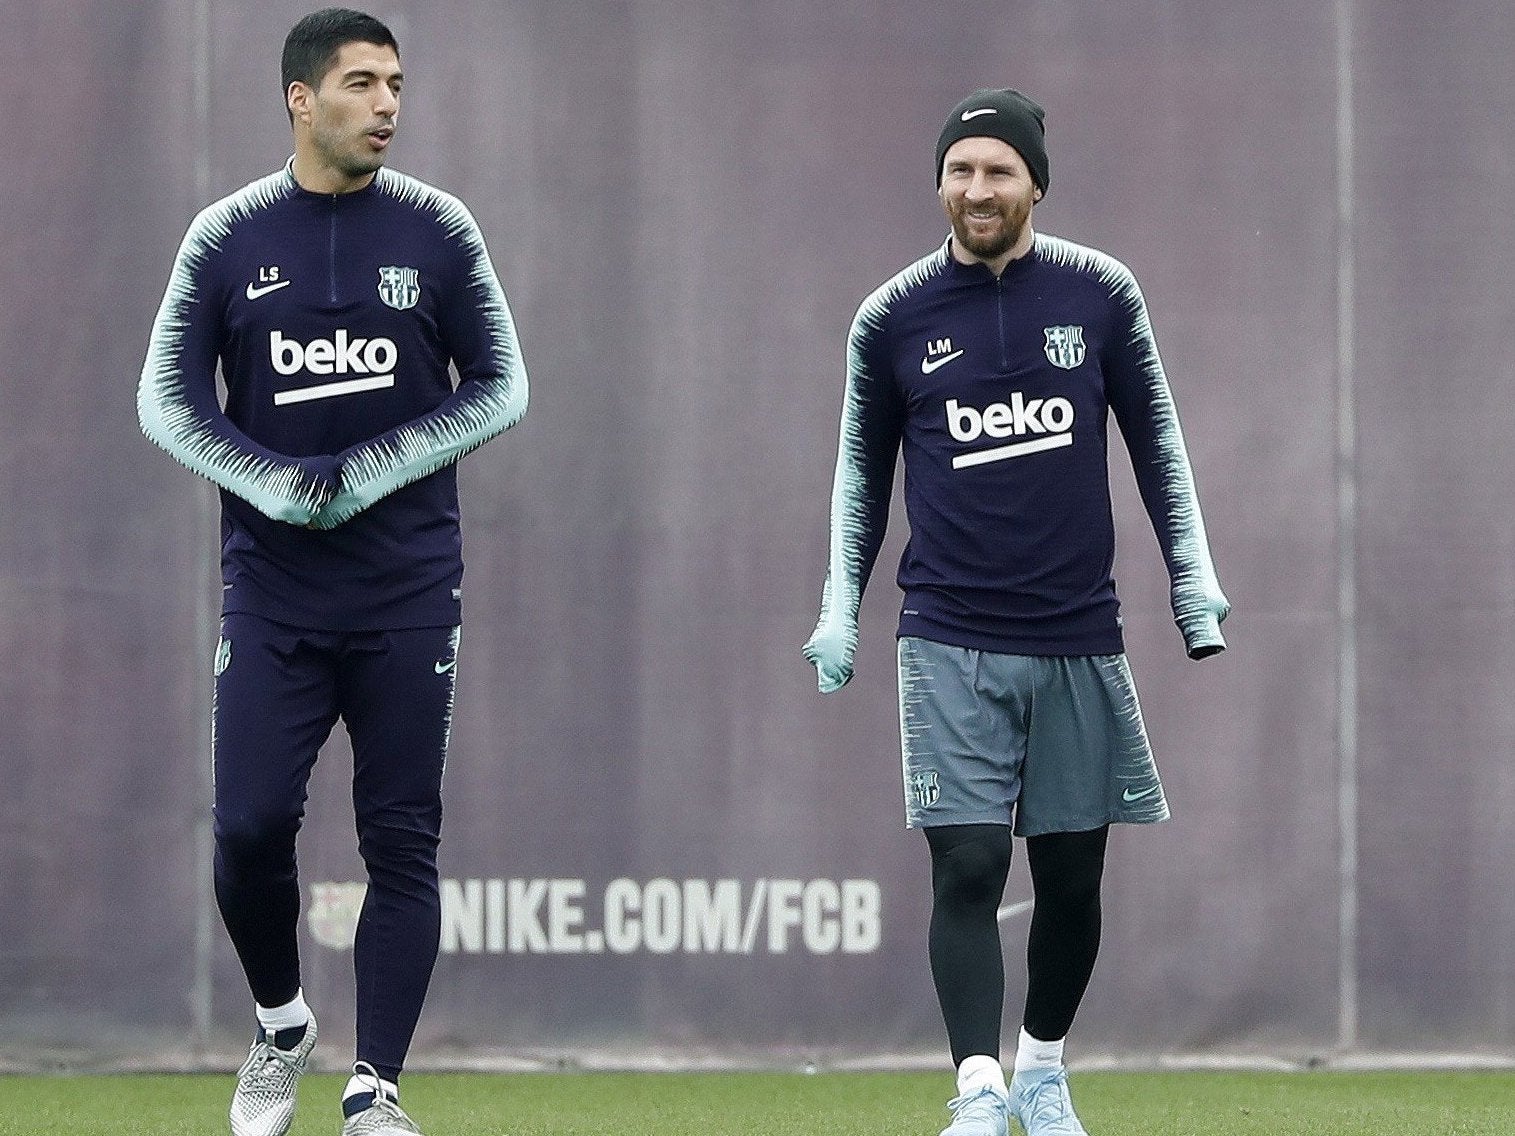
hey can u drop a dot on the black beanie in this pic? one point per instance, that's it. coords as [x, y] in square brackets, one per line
[1005, 114]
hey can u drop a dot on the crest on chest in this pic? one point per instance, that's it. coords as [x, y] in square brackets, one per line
[399, 287]
[1064, 346]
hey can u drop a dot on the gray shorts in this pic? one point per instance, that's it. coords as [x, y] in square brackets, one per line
[1054, 743]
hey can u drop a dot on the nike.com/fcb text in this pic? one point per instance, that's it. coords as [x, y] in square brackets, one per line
[656, 916]
[660, 916]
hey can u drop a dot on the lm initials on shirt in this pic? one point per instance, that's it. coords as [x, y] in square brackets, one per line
[939, 353]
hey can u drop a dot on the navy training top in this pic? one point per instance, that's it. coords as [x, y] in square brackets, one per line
[334, 318]
[997, 389]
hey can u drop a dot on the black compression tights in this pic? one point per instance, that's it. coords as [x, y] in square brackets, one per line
[969, 864]
[1066, 868]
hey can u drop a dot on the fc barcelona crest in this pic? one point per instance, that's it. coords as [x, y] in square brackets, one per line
[1065, 346]
[924, 788]
[400, 288]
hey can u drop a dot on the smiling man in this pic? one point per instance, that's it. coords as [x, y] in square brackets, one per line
[338, 298]
[994, 364]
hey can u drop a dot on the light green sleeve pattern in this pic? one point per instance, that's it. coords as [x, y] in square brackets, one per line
[863, 483]
[476, 412]
[177, 404]
[833, 645]
[1143, 405]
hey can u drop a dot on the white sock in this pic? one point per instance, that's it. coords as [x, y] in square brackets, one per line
[288, 1016]
[356, 1085]
[1033, 1054]
[977, 1071]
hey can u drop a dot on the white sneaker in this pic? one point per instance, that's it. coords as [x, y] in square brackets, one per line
[382, 1118]
[264, 1102]
[1042, 1104]
[984, 1112]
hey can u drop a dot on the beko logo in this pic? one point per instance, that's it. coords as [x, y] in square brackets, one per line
[373, 360]
[1048, 421]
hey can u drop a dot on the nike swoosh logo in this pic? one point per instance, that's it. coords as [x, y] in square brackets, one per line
[929, 365]
[967, 114]
[254, 290]
[445, 665]
[1129, 797]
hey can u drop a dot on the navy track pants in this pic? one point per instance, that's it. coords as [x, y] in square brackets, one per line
[279, 692]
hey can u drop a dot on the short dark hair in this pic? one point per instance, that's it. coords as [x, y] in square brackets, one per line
[312, 45]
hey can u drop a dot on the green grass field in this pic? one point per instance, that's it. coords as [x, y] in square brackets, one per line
[789, 1104]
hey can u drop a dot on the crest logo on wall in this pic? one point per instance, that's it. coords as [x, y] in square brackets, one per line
[400, 288]
[333, 914]
[1065, 346]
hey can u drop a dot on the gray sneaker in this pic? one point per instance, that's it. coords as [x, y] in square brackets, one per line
[384, 1117]
[264, 1103]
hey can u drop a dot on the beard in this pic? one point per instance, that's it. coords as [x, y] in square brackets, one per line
[349, 155]
[997, 242]
[355, 162]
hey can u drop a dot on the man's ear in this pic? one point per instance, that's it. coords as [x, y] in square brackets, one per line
[297, 98]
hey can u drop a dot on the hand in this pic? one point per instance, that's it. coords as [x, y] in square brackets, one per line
[1200, 627]
[339, 510]
[349, 498]
[324, 473]
[830, 649]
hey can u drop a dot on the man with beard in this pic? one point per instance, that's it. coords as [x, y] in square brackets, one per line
[338, 297]
[993, 363]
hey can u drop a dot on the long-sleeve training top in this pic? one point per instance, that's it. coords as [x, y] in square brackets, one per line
[998, 391]
[334, 318]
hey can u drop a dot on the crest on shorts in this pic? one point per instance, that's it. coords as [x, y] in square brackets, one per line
[1065, 346]
[400, 288]
[333, 915]
[924, 788]
[223, 655]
